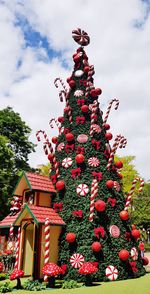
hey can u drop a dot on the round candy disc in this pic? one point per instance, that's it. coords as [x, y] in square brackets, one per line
[78, 93]
[117, 186]
[82, 190]
[114, 231]
[67, 162]
[60, 147]
[82, 138]
[111, 273]
[77, 260]
[78, 73]
[81, 37]
[93, 161]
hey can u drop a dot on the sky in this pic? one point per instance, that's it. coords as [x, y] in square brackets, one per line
[36, 46]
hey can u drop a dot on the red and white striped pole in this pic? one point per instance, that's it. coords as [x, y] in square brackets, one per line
[129, 196]
[11, 231]
[120, 142]
[47, 244]
[17, 248]
[94, 109]
[94, 192]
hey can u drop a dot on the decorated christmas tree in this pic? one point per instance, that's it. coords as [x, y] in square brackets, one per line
[98, 240]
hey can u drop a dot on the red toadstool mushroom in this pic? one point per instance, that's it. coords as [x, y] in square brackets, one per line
[17, 274]
[87, 269]
[51, 270]
[1, 267]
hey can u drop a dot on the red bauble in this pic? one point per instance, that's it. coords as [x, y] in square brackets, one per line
[96, 246]
[69, 79]
[100, 205]
[86, 69]
[120, 175]
[124, 215]
[70, 237]
[60, 185]
[123, 254]
[98, 91]
[108, 136]
[119, 164]
[76, 58]
[110, 184]
[135, 233]
[61, 119]
[106, 126]
[66, 109]
[69, 137]
[72, 84]
[145, 260]
[80, 158]
[85, 108]
[54, 140]
[50, 157]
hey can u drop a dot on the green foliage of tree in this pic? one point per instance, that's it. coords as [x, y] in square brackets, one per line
[44, 169]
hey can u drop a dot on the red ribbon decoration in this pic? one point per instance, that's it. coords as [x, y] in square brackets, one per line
[54, 179]
[97, 175]
[128, 236]
[99, 231]
[80, 119]
[58, 207]
[80, 102]
[76, 172]
[133, 266]
[96, 144]
[112, 201]
[83, 82]
[69, 148]
[64, 268]
[77, 213]
[80, 150]
[66, 130]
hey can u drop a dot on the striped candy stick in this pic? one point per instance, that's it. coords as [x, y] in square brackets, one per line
[94, 109]
[94, 192]
[129, 196]
[11, 231]
[109, 108]
[47, 244]
[89, 83]
[62, 83]
[47, 145]
[17, 249]
[120, 142]
[57, 124]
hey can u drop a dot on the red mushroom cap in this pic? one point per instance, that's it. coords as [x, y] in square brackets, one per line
[1, 267]
[87, 268]
[16, 274]
[51, 269]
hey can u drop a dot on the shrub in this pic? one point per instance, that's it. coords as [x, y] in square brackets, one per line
[70, 284]
[3, 276]
[31, 285]
[4, 288]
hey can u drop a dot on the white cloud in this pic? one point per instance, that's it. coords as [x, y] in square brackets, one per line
[119, 52]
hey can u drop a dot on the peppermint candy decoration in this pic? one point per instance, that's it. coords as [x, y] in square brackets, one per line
[82, 138]
[79, 73]
[93, 161]
[134, 253]
[67, 162]
[114, 231]
[81, 37]
[60, 147]
[96, 128]
[77, 260]
[111, 273]
[82, 190]
[78, 93]
[117, 186]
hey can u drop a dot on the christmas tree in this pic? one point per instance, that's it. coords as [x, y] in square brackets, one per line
[98, 237]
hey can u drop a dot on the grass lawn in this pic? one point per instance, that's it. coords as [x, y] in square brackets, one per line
[133, 286]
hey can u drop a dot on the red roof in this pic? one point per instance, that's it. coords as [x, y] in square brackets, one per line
[39, 182]
[8, 220]
[41, 213]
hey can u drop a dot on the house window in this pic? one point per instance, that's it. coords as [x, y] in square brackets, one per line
[29, 197]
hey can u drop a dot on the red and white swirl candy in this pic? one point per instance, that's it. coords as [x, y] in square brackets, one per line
[82, 190]
[60, 147]
[134, 253]
[117, 186]
[96, 128]
[93, 161]
[81, 37]
[114, 231]
[78, 93]
[111, 273]
[77, 260]
[67, 162]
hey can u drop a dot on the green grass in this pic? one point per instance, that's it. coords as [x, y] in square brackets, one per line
[133, 286]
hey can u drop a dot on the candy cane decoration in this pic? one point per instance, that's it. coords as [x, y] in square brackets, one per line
[57, 124]
[120, 142]
[129, 196]
[49, 145]
[62, 95]
[94, 109]
[62, 83]
[17, 249]
[89, 83]
[94, 192]
[109, 108]
[47, 244]
[11, 231]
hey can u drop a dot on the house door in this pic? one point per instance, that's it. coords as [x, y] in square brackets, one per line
[28, 249]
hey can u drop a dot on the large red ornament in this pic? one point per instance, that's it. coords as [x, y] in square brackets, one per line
[80, 158]
[85, 108]
[69, 79]
[96, 246]
[95, 92]
[145, 260]
[50, 157]
[54, 140]
[124, 215]
[110, 184]
[61, 119]
[108, 136]
[66, 109]
[135, 233]
[119, 164]
[86, 69]
[60, 185]
[123, 254]
[70, 237]
[106, 126]
[76, 58]
[72, 84]
[100, 205]
[69, 137]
